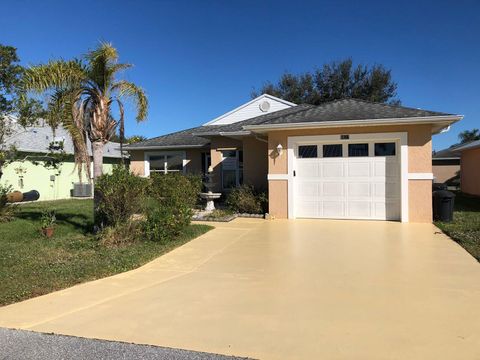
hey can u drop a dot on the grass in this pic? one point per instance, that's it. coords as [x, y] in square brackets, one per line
[465, 227]
[32, 265]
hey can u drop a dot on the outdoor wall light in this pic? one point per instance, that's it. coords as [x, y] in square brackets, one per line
[279, 149]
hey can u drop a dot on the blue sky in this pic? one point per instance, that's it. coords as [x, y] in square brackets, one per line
[199, 59]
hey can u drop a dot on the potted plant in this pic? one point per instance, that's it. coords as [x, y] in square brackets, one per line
[48, 221]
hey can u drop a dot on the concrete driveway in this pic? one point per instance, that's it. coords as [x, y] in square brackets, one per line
[285, 290]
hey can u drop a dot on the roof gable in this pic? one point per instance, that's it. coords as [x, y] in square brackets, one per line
[264, 104]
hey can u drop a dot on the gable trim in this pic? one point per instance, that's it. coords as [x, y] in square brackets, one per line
[263, 96]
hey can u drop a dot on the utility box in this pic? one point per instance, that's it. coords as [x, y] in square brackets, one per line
[82, 190]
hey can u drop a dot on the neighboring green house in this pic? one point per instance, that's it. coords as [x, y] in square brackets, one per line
[29, 173]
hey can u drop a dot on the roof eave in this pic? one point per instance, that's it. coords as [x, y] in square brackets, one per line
[223, 133]
[440, 122]
[164, 147]
[469, 146]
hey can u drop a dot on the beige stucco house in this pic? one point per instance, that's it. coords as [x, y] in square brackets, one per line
[446, 166]
[470, 168]
[346, 159]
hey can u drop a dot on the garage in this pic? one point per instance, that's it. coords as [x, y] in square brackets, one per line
[346, 177]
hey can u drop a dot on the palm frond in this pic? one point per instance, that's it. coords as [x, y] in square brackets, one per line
[54, 74]
[102, 62]
[134, 92]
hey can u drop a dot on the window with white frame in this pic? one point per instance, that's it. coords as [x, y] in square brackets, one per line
[166, 162]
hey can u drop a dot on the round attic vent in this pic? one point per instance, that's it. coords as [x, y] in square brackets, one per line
[264, 106]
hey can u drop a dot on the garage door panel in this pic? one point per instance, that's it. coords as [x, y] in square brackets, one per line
[308, 168]
[359, 209]
[358, 169]
[359, 189]
[308, 189]
[332, 188]
[333, 169]
[307, 208]
[333, 209]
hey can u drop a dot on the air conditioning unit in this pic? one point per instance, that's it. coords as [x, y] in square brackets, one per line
[82, 190]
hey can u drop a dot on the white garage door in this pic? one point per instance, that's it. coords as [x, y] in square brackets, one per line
[347, 180]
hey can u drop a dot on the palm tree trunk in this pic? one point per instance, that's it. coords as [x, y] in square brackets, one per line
[97, 152]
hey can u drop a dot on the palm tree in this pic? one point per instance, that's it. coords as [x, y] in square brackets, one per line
[91, 89]
[469, 135]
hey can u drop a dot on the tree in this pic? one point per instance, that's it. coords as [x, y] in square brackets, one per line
[90, 88]
[336, 80]
[469, 135]
[128, 139]
[10, 75]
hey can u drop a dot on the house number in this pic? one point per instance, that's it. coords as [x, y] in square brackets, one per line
[344, 137]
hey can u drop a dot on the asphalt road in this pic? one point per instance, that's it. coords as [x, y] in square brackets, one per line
[26, 345]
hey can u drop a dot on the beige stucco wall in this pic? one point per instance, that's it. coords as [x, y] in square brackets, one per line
[137, 162]
[419, 161]
[194, 161]
[277, 198]
[255, 162]
[444, 173]
[470, 175]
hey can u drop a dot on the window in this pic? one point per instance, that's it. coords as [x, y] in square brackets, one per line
[334, 150]
[385, 149]
[307, 151]
[157, 163]
[232, 168]
[165, 163]
[355, 150]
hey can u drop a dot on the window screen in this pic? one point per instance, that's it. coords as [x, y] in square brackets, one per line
[385, 149]
[174, 163]
[157, 163]
[334, 150]
[307, 151]
[357, 150]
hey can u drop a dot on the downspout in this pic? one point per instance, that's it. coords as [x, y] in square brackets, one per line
[445, 129]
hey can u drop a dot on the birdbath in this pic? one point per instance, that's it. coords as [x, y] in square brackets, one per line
[209, 196]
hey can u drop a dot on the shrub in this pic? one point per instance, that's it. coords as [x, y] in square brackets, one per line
[7, 211]
[175, 189]
[122, 194]
[121, 234]
[164, 221]
[244, 199]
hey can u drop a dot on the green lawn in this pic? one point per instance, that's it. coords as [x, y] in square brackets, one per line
[465, 228]
[32, 265]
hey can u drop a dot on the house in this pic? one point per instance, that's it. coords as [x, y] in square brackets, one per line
[470, 164]
[28, 173]
[446, 166]
[346, 159]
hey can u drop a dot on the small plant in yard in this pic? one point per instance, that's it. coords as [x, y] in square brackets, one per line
[121, 234]
[244, 199]
[7, 211]
[47, 222]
